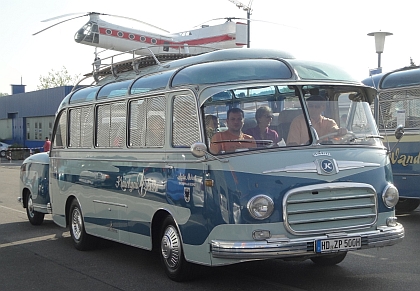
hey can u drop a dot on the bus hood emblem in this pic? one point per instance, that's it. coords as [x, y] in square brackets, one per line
[326, 167]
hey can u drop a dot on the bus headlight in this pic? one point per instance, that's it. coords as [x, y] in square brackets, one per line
[390, 196]
[260, 207]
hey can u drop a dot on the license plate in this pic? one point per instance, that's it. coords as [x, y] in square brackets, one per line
[338, 244]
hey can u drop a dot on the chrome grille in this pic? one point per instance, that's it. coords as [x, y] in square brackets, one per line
[329, 207]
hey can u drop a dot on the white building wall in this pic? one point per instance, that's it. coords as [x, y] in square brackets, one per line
[6, 131]
[38, 128]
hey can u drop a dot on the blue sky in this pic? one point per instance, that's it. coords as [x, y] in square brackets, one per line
[324, 30]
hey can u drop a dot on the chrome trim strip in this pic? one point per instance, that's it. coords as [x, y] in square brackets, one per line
[251, 250]
[132, 160]
[330, 199]
[336, 218]
[40, 206]
[312, 167]
[110, 203]
[331, 208]
[348, 165]
[302, 168]
[403, 174]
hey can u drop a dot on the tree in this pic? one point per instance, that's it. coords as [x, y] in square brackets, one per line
[3, 94]
[57, 79]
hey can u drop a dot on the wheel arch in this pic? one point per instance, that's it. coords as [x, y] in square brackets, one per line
[25, 194]
[156, 227]
[67, 207]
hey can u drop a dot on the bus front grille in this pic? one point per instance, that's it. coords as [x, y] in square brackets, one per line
[329, 208]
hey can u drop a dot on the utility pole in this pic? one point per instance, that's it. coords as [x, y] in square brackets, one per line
[248, 16]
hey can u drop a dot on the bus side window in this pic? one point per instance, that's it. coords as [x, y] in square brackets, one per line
[59, 140]
[155, 122]
[81, 126]
[185, 121]
[110, 125]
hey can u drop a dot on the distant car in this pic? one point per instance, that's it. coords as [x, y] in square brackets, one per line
[33, 187]
[3, 149]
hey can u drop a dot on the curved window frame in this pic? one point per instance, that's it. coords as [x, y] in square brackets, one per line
[232, 71]
[154, 82]
[84, 94]
[114, 89]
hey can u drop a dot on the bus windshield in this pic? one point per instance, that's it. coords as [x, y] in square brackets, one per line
[272, 116]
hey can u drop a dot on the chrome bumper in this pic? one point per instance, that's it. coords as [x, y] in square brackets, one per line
[286, 248]
[43, 208]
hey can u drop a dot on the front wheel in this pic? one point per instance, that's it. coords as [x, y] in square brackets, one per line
[34, 217]
[81, 240]
[329, 260]
[2, 154]
[171, 253]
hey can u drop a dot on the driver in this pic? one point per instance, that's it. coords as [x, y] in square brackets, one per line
[233, 138]
[298, 133]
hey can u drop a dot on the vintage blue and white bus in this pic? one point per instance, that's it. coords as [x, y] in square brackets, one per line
[131, 161]
[399, 104]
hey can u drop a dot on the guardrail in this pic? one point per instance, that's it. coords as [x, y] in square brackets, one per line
[20, 153]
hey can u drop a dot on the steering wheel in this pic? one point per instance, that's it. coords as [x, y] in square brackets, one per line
[349, 135]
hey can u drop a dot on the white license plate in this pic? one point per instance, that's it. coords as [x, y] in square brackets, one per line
[338, 244]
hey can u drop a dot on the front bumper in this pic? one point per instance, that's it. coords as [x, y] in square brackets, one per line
[299, 247]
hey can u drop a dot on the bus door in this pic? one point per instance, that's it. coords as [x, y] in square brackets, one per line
[186, 173]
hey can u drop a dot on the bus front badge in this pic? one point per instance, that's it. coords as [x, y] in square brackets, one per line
[326, 167]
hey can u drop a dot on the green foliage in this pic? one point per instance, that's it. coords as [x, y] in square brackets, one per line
[57, 79]
[3, 94]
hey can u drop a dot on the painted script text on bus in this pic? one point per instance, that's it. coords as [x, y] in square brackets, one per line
[404, 160]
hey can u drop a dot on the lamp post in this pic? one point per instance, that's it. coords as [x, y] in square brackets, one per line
[379, 43]
[248, 16]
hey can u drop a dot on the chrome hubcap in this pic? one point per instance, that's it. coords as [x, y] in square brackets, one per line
[76, 223]
[30, 206]
[171, 247]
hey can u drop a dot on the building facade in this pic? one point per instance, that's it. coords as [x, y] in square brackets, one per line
[27, 118]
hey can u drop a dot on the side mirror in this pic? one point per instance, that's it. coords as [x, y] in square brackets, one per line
[399, 132]
[198, 149]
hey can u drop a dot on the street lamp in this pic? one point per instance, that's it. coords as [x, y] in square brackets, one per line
[248, 15]
[379, 43]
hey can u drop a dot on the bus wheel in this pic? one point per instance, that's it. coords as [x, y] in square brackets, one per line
[329, 260]
[35, 218]
[406, 205]
[171, 253]
[81, 240]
